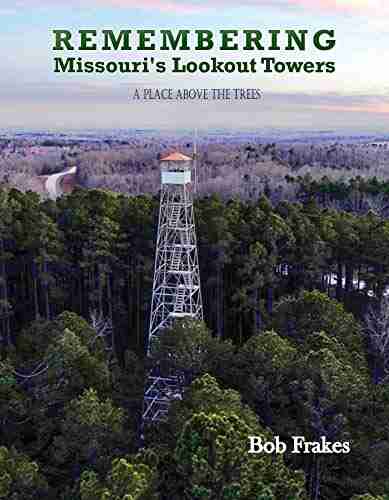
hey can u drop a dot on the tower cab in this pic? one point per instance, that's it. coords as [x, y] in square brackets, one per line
[176, 168]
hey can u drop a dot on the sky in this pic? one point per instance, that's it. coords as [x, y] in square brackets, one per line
[354, 98]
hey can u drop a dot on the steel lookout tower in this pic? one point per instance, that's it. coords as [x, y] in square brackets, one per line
[176, 286]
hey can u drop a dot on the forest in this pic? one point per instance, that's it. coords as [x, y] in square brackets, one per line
[295, 342]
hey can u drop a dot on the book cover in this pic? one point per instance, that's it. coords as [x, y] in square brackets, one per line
[194, 270]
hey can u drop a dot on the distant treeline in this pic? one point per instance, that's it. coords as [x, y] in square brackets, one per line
[357, 194]
[226, 166]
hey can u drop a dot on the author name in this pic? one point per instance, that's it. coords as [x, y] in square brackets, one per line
[299, 445]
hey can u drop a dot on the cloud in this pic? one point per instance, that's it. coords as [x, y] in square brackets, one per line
[381, 108]
[359, 7]
[111, 92]
[174, 6]
[7, 11]
[337, 102]
[93, 105]
[372, 7]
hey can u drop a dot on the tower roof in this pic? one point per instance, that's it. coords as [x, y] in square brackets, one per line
[176, 157]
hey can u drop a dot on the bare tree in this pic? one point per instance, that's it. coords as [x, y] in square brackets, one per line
[104, 330]
[378, 204]
[377, 331]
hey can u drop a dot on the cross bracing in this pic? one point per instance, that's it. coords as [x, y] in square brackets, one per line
[176, 285]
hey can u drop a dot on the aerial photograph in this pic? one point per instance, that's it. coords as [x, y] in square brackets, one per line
[194, 250]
